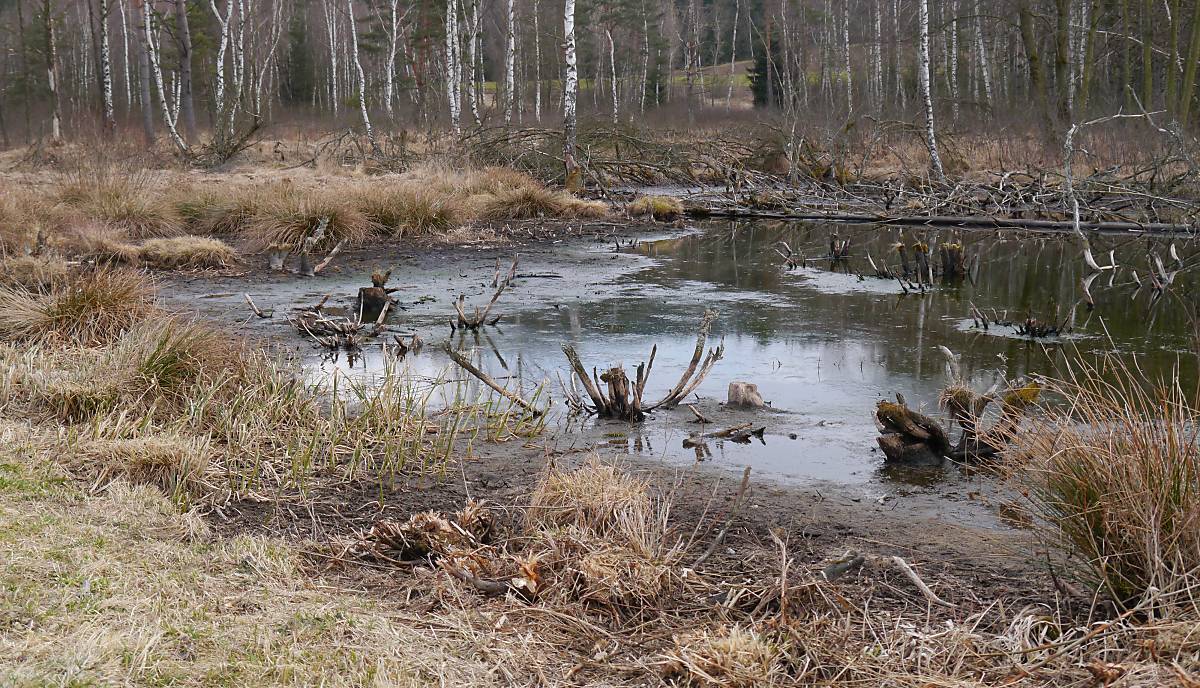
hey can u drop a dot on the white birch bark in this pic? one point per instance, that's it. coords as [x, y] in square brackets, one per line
[612, 74]
[570, 93]
[846, 53]
[362, 77]
[106, 86]
[125, 60]
[52, 72]
[474, 39]
[953, 68]
[985, 70]
[222, 48]
[156, 74]
[453, 71]
[510, 59]
[935, 161]
[537, 65]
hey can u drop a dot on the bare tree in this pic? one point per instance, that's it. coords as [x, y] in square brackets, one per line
[935, 160]
[570, 95]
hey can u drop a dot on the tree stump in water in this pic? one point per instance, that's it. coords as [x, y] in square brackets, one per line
[373, 299]
[745, 395]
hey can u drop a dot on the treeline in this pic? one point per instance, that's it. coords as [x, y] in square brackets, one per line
[177, 68]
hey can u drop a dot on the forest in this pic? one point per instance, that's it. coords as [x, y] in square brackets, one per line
[684, 343]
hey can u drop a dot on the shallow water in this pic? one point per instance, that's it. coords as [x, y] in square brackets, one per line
[822, 344]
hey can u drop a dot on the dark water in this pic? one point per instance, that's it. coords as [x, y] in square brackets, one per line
[822, 344]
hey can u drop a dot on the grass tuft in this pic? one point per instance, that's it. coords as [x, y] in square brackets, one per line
[1115, 472]
[734, 658]
[173, 463]
[91, 309]
[126, 202]
[187, 252]
[663, 208]
[33, 273]
[286, 219]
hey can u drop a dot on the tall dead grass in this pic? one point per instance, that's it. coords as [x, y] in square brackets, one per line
[1114, 470]
[129, 201]
[91, 309]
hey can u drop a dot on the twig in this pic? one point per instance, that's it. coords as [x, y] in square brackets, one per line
[254, 307]
[738, 500]
[912, 576]
[487, 379]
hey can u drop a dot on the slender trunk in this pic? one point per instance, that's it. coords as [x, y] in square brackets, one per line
[1147, 55]
[452, 68]
[1173, 60]
[125, 56]
[935, 161]
[156, 73]
[846, 53]
[570, 94]
[537, 66]
[362, 77]
[877, 56]
[985, 69]
[1089, 57]
[510, 58]
[1126, 58]
[1037, 77]
[612, 74]
[144, 73]
[389, 72]
[737, 10]
[222, 47]
[184, 35]
[106, 89]
[1189, 76]
[1062, 51]
[474, 31]
[954, 93]
[52, 71]
[645, 61]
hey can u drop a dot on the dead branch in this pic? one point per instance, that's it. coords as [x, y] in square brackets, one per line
[738, 501]
[254, 307]
[912, 576]
[486, 379]
[480, 317]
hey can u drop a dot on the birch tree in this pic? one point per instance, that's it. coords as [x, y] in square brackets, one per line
[184, 39]
[510, 58]
[570, 94]
[453, 71]
[935, 161]
[362, 77]
[108, 112]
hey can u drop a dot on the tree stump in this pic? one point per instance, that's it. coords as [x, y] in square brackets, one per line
[745, 395]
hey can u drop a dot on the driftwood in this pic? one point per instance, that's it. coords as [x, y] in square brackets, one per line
[330, 331]
[486, 379]
[613, 395]
[740, 434]
[479, 318]
[258, 311]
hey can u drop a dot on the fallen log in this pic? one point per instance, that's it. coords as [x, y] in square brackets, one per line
[486, 379]
[966, 222]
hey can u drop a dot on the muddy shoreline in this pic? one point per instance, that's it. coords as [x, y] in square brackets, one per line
[951, 534]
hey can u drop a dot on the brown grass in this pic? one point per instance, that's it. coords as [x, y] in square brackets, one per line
[173, 463]
[662, 208]
[1114, 471]
[409, 209]
[733, 657]
[33, 273]
[130, 203]
[187, 252]
[286, 219]
[93, 308]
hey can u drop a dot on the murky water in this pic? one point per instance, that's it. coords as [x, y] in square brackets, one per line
[822, 343]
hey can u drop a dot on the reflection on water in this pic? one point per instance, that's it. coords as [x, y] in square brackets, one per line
[823, 345]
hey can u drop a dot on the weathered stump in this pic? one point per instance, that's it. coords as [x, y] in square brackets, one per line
[745, 395]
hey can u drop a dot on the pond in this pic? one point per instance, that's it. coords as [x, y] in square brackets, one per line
[823, 341]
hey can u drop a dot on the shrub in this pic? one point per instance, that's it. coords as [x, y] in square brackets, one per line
[1115, 471]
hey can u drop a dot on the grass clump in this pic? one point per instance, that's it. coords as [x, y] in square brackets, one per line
[735, 657]
[286, 219]
[408, 209]
[125, 202]
[528, 202]
[173, 463]
[662, 208]
[1115, 471]
[33, 273]
[91, 309]
[187, 252]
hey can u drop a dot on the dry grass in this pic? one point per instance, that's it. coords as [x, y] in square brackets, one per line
[733, 657]
[595, 496]
[128, 202]
[409, 209]
[187, 252]
[1115, 471]
[662, 208]
[529, 202]
[93, 308]
[174, 463]
[33, 273]
[287, 218]
[98, 243]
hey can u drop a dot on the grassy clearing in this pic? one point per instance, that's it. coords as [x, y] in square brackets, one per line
[121, 588]
[1115, 472]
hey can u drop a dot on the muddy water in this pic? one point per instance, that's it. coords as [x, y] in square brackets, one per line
[822, 343]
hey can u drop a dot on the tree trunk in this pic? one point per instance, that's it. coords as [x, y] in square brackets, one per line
[510, 58]
[362, 77]
[612, 74]
[537, 66]
[570, 95]
[452, 68]
[156, 72]
[52, 72]
[1189, 76]
[184, 36]
[985, 69]
[1147, 55]
[1062, 52]
[106, 91]
[1037, 77]
[144, 75]
[935, 160]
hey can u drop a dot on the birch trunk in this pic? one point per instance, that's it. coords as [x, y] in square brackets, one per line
[846, 54]
[106, 88]
[362, 77]
[156, 74]
[570, 95]
[537, 65]
[452, 68]
[953, 69]
[612, 74]
[510, 58]
[474, 35]
[985, 70]
[935, 161]
[144, 77]
[125, 58]
[737, 11]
